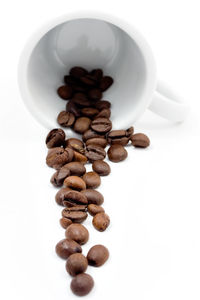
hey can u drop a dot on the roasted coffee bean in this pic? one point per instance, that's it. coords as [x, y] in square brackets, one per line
[95, 94]
[69, 80]
[77, 263]
[101, 142]
[92, 180]
[88, 80]
[101, 125]
[100, 221]
[76, 168]
[78, 148]
[97, 74]
[72, 198]
[97, 255]
[61, 194]
[82, 124]
[80, 157]
[120, 137]
[140, 140]
[73, 108]
[102, 104]
[78, 233]
[105, 83]
[65, 92]
[79, 88]
[55, 138]
[70, 142]
[94, 152]
[75, 182]
[101, 167]
[117, 153]
[90, 134]
[66, 119]
[67, 247]
[82, 284]
[75, 216]
[81, 100]
[104, 113]
[93, 197]
[64, 222]
[78, 72]
[94, 209]
[89, 112]
[74, 208]
[58, 177]
[57, 157]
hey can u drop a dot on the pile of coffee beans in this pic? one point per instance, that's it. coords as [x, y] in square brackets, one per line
[87, 114]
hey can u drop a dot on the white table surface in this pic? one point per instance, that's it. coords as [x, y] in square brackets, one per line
[153, 197]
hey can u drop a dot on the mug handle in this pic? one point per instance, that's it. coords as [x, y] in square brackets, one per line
[168, 104]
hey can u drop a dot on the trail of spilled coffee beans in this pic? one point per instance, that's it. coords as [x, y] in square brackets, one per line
[89, 116]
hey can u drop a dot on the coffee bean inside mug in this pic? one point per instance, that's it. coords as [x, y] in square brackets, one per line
[88, 114]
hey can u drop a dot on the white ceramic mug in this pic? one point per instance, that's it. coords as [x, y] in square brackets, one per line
[94, 40]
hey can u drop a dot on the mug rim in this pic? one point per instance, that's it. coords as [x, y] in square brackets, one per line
[150, 64]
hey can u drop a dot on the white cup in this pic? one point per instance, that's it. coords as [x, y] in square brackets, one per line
[94, 40]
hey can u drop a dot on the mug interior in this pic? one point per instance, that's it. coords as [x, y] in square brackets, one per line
[90, 43]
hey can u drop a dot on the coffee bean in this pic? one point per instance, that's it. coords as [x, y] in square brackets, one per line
[90, 134]
[72, 198]
[100, 221]
[97, 255]
[74, 208]
[76, 168]
[88, 80]
[117, 153]
[101, 125]
[81, 100]
[93, 197]
[101, 142]
[94, 209]
[57, 157]
[89, 112]
[92, 180]
[140, 140]
[97, 73]
[78, 148]
[65, 92]
[75, 216]
[82, 124]
[94, 152]
[55, 138]
[73, 108]
[104, 113]
[101, 167]
[78, 72]
[80, 157]
[66, 119]
[67, 247]
[105, 83]
[103, 104]
[64, 222]
[79, 88]
[69, 80]
[82, 284]
[75, 182]
[77, 263]
[95, 94]
[58, 177]
[60, 196]
[120, 137]
[78, 233]
[70, 142]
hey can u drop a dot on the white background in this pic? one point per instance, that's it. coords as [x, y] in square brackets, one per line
[153, 197]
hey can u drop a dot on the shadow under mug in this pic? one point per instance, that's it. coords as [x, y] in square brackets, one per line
[94, 40]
